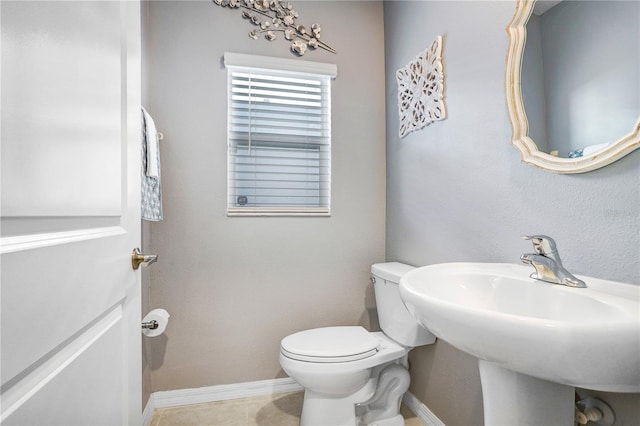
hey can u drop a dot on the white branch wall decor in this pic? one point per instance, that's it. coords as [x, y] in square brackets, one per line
[274, 16]
[421, 89]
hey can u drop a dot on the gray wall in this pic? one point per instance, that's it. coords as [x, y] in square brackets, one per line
[457, 191]
[236, 286]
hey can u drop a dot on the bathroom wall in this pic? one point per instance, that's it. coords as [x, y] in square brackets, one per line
[456, 190]
[236, 286]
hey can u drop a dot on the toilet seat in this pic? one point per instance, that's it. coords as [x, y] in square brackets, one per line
[330, 344]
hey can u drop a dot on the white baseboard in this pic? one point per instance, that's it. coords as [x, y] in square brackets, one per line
[174, 398]
[421, 411]
[147, 413]
[180, 397]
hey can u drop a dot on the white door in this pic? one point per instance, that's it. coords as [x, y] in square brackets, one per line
[70, 301]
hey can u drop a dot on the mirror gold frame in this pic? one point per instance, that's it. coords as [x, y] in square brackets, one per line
[529, 151]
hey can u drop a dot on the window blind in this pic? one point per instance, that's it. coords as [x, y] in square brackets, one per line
[279, 142]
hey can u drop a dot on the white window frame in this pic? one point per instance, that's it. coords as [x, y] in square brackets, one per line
[242, 65]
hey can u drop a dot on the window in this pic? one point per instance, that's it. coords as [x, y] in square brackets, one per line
[279, 136]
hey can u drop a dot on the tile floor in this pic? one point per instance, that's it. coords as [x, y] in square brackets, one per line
[272, 410]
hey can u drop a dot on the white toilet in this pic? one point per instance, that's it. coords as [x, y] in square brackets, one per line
[352, 376]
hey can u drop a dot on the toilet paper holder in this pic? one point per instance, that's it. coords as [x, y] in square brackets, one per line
[150, 325]
[155, 322]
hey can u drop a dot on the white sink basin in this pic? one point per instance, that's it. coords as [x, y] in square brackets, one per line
[583, 337]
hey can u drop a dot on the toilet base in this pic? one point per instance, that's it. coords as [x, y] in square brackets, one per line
[394, 421]
[383, 407]
[323, 410]
[377, 403]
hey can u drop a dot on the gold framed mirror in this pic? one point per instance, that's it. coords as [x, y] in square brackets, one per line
[598, 82]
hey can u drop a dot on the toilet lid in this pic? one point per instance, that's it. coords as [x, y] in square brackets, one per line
[330, 344]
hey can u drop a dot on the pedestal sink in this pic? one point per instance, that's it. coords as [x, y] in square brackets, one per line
[535, 341]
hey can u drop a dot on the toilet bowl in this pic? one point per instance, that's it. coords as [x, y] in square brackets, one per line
[340, 367]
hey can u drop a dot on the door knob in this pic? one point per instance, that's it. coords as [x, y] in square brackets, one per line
[137, 259]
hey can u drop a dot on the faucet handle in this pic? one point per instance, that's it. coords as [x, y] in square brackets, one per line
[543, 244]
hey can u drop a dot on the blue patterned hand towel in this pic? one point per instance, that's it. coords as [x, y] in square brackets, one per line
[151, 202]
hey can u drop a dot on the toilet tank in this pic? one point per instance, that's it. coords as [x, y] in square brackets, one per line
[395, 320]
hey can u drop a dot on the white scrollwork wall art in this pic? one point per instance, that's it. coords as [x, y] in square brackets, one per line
[420, 90]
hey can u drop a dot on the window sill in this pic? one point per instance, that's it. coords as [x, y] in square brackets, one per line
[237, 212]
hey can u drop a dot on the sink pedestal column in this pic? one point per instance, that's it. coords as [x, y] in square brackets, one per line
[511, 399]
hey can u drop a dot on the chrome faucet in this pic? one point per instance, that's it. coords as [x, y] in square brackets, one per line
[546, 261]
